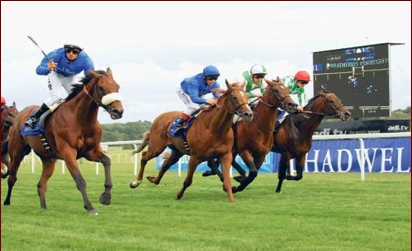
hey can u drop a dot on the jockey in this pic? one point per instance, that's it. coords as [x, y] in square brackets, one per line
[255, 83]
[296, 85]
[64, 67]
[3, 103]
[192, 90]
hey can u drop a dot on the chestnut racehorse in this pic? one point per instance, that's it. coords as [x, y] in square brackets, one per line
[71, 132]
[209, 137]
[254, 140]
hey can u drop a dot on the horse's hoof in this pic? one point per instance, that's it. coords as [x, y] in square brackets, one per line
[207, 173]
[105, 199]
[234, 190]
[93, 212]
[150, 179]
[134, 184]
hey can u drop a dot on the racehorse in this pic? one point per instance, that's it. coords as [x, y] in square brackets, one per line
[293, 137]
[210, 136]
[254, 140]
[7, 120]
[70, 132]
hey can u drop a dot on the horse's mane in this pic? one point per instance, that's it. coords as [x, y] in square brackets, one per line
[314, 98]
[77, 88]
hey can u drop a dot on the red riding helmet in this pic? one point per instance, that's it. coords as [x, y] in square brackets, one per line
[302, 76]
[3, 100]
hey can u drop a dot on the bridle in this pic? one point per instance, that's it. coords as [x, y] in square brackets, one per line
[280, 104]
[235, 110]
[331, 107]
[98, 93]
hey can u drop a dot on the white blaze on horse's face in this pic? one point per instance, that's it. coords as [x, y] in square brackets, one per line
[110, 98]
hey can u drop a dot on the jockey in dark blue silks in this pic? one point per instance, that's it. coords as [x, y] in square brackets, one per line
[192, 90]
[64, 67]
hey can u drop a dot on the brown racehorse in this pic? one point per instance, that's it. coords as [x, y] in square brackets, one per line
[71, 132]
[293, 137]
[7, 119]
[209, 137]
[254, 140]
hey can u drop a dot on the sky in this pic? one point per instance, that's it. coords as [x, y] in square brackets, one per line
[152, 46]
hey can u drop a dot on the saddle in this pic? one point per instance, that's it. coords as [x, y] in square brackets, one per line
[188, 123]
[39, 125]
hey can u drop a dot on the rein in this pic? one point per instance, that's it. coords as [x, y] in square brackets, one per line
[280, 101]
[330, 106]
[90, 96]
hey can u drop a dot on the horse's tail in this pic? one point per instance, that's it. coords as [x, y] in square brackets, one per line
[145, 142]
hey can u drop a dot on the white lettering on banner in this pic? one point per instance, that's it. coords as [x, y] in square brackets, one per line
[387, 156]
[368, 162]
[349, 156]
[399, 170]
[314, 161]
[327, 162]
[386, 159]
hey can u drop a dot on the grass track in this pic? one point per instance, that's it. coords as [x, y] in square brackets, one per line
[326, 211]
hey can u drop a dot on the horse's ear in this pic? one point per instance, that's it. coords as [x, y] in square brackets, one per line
[109, 71]
[243, 85]
[227, 83]
[14, 104]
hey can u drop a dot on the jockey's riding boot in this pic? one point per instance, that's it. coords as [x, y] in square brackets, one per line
[179, 125]
[33, 119]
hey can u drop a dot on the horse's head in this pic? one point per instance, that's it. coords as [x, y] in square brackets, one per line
[8, 115]
[237, 96]
[277, 95]
[334, 106]
[105, 92]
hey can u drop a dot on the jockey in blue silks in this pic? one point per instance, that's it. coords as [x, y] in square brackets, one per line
[192, 90]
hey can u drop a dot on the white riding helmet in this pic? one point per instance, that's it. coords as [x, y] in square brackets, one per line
[258, 69]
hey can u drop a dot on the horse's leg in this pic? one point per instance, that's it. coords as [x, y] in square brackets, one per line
[69, 156]
[248, 159]
[5, 163]
[146, 156]
[4, 159]
[173, 158]
[284, 165]
[15, 159]
[226, 161]
[106, 196]
[192, 165]
[214, 166]
[241, 171]
[47, 171]
[300, 162]
[97, 155]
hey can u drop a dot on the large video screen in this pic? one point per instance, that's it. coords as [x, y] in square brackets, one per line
[359, 76]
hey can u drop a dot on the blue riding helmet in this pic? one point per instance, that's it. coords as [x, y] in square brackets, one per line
[210, 71]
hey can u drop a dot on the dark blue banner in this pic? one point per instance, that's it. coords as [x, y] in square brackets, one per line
[382, 155]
